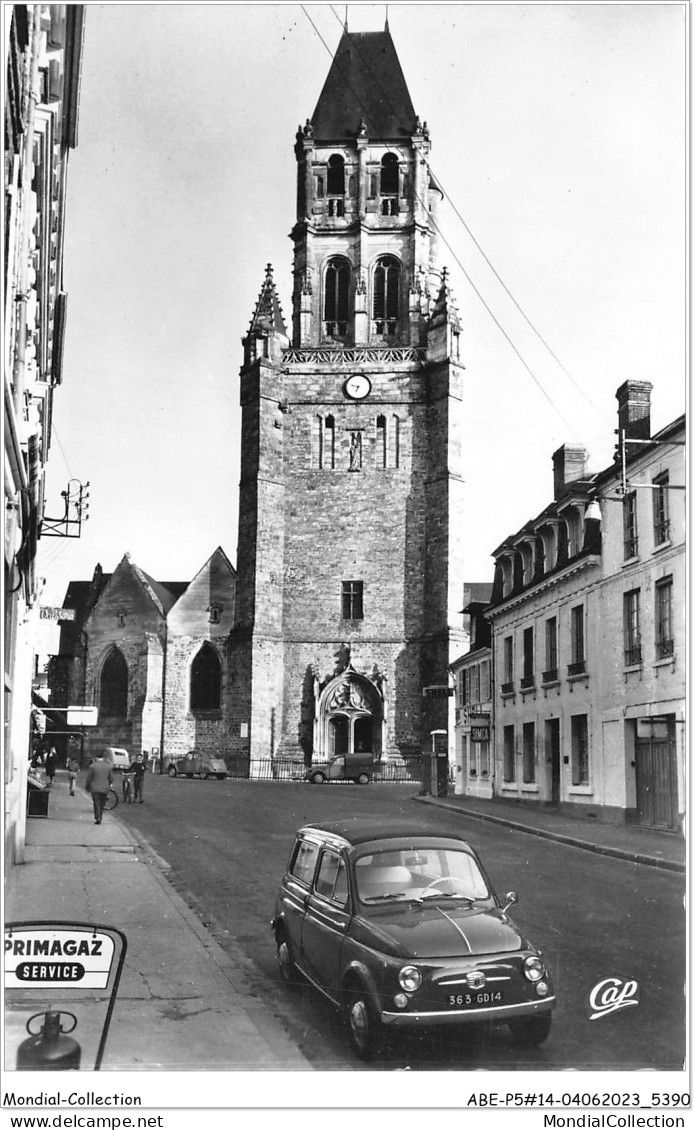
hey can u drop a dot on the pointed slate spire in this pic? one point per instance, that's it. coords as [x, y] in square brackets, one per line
[267, 334]
[268, 312]
[365, 83]
[444, 329]
[445, 309]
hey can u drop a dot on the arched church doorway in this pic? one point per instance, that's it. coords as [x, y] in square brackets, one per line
[350, 718]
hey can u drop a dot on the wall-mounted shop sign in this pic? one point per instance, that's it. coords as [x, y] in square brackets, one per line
[46, 613]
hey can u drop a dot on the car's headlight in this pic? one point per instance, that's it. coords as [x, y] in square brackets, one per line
[410, 978]
[533, 968]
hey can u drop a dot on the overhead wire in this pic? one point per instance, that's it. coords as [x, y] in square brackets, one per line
[456, 258]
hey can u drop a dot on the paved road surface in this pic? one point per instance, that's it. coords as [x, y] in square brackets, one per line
[594, 917]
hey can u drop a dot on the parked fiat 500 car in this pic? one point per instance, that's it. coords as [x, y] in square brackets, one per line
[119, 758]
[196, 764]
[398, 925]
[357, 767]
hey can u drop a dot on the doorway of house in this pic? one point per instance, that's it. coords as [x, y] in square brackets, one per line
[656, 774]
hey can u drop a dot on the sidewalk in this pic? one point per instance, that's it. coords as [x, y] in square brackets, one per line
[631, 842]
[184, 1003]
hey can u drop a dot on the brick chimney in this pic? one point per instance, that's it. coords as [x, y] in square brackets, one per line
[569, 464]
[634, 409]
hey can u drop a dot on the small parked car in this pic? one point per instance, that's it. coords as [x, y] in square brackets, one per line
[119, 758]
[196, 764]
[346, 767]
[398, 925]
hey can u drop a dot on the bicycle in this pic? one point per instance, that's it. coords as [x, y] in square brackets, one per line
[127, 789]
[111, 799]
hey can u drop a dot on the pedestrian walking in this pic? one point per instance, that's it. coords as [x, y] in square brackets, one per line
[127, 784]
[51, 765]
[138, 770]
[73, 768]
[99, 781]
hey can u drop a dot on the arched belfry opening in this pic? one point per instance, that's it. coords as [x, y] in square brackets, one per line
[113, 686]
[349, 718]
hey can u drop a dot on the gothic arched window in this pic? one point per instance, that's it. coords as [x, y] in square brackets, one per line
[336, 298]
[113, 687]
[206, 680]
[389, 175]
[336, 176]
[386, 296]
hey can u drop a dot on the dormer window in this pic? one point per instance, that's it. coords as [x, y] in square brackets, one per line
[386, 296]
[336, 298]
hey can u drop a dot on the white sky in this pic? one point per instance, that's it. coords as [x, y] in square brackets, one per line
[558, 133]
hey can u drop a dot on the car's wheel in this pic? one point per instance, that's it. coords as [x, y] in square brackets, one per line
[285, 960]
[205, 776]
[531, 1031]
[363, 1025]
[363, 778]
[317, 778]
[172, 771]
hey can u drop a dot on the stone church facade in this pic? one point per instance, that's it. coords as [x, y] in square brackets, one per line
[346, 603]
[151, 656]
[350, 572]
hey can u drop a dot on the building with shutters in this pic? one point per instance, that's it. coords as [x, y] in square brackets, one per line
[350, 541]
[588, 633]
[43, 52]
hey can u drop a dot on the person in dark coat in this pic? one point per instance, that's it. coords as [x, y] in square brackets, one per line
[51, 765]
[138, 770]
[98, 782]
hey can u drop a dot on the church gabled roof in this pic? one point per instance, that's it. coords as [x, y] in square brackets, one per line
[268, 312]
[365, 84]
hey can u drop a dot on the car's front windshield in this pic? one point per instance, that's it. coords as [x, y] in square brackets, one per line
[411, 874]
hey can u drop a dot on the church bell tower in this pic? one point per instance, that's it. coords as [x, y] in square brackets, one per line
[350, 571]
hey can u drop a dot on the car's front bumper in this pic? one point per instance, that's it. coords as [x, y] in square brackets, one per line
[434, 1019]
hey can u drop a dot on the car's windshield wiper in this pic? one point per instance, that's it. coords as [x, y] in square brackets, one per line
[445, 895]
[387, 898]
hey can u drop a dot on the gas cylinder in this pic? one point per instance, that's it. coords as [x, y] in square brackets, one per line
[50, 1049]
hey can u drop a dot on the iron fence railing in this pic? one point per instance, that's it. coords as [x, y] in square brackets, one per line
[287, 769]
